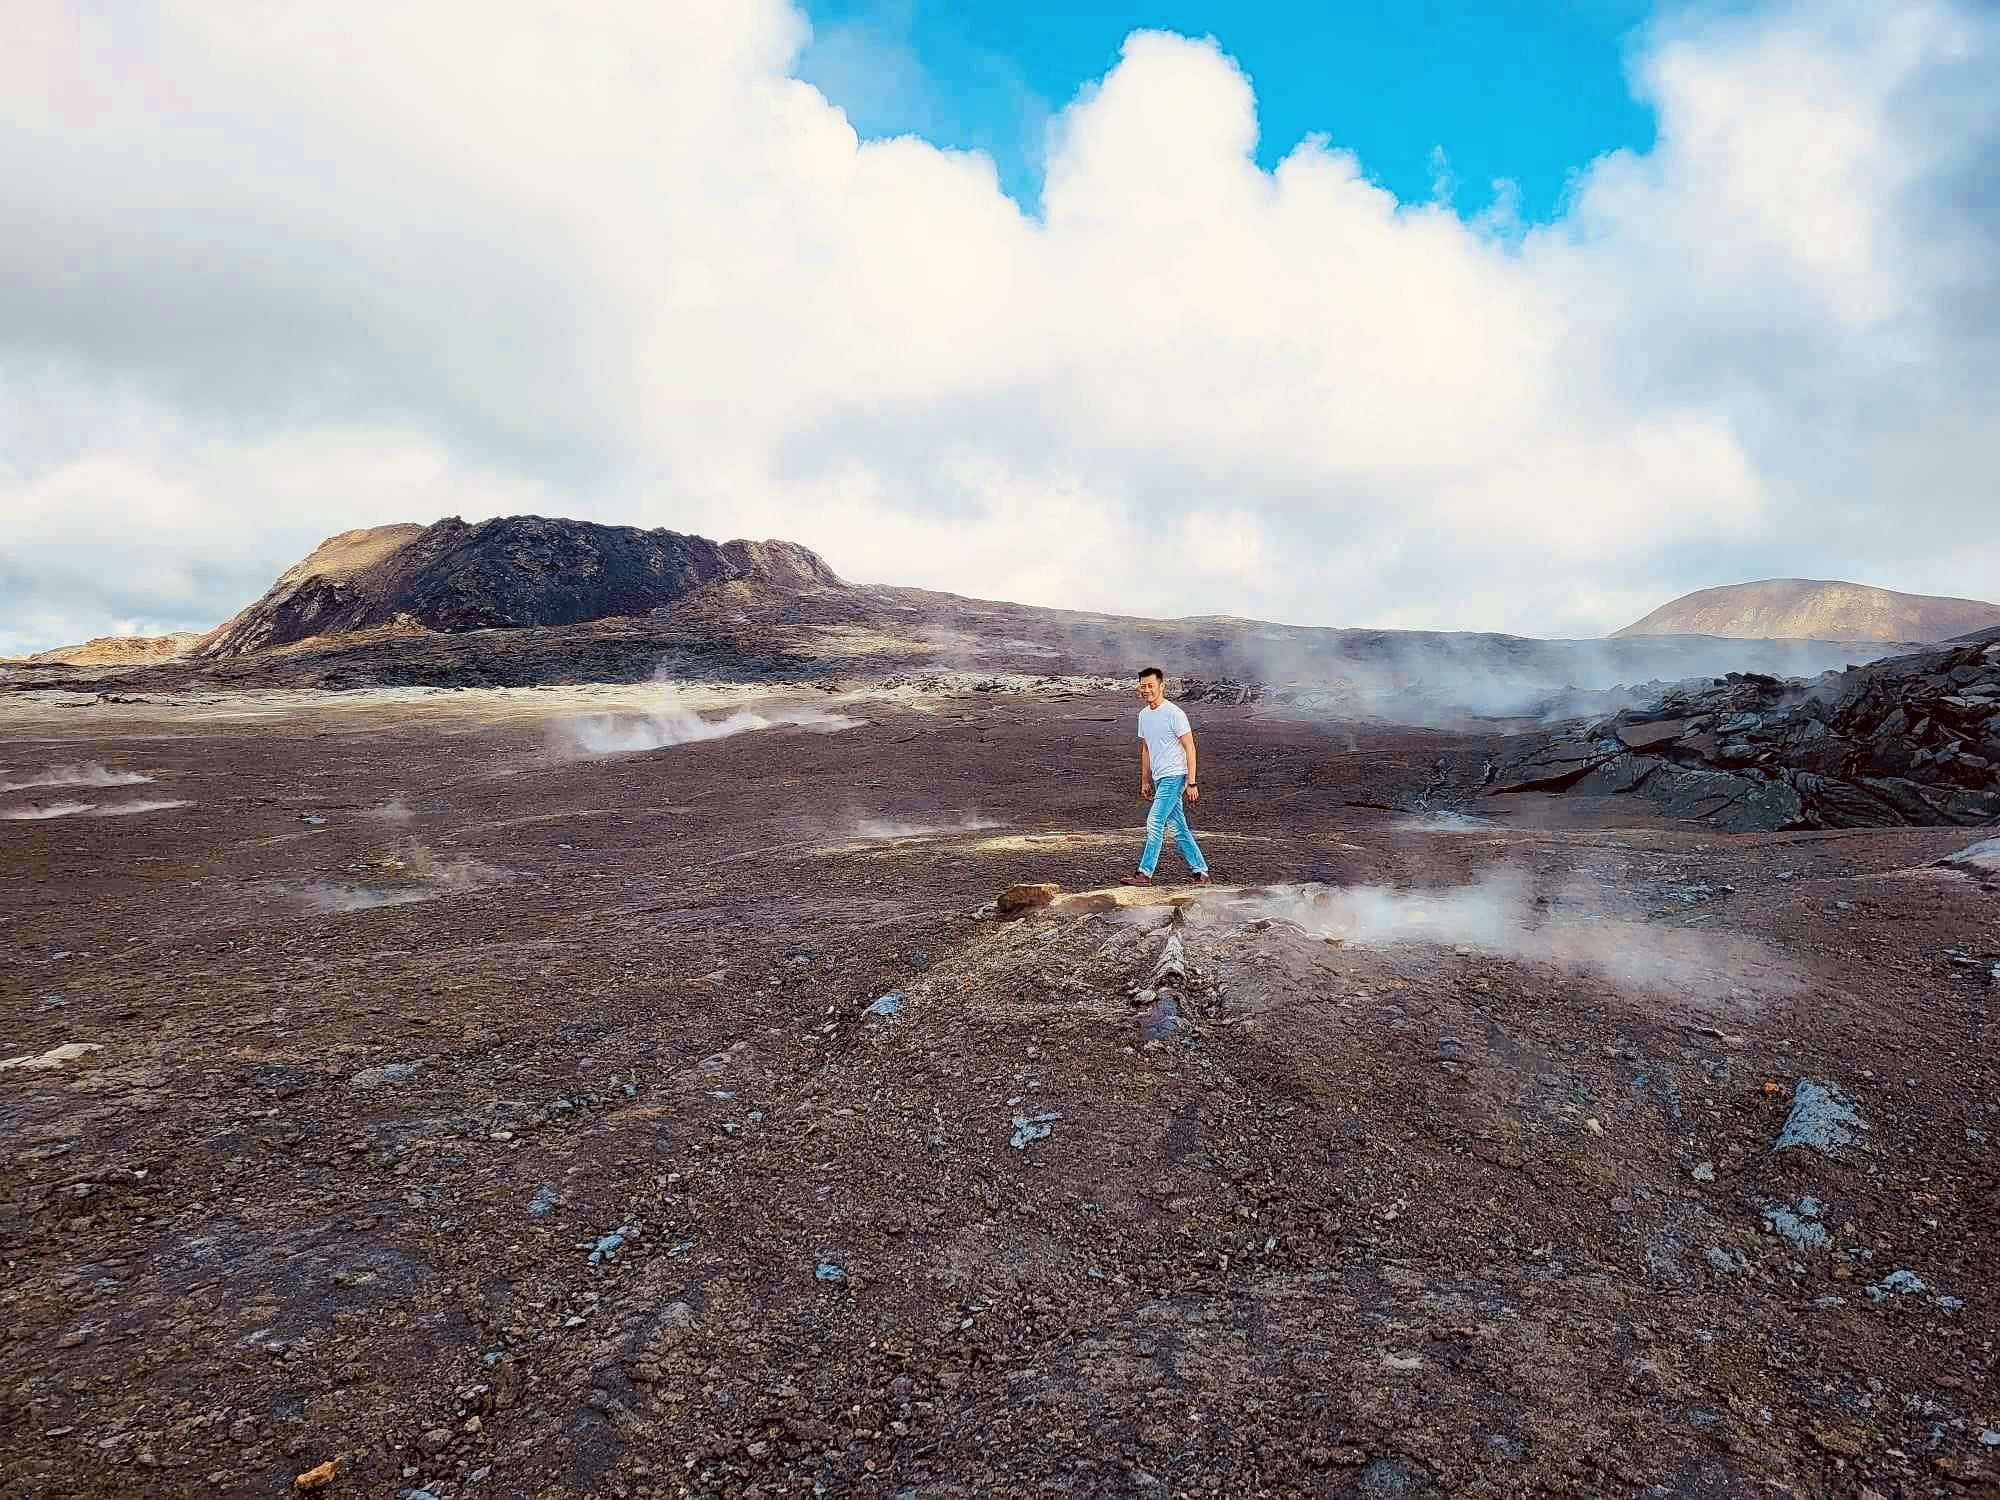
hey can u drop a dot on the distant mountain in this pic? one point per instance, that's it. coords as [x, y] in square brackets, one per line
[124, 650]
[513, 572]
[526, 600]
[1797, 609]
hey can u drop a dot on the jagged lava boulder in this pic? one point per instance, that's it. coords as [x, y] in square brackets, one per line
[508, 573]
[1910, 740]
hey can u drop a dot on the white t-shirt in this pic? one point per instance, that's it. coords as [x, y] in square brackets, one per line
[1161, 728]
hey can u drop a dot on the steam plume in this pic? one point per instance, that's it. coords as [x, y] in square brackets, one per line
[332, 899]
[672, 722]
[1501, 917]
[437, 877]
[88, 774]
[886, 830]
[88, 809]
[53, 810]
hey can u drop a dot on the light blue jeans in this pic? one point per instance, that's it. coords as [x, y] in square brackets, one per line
[1166, 813]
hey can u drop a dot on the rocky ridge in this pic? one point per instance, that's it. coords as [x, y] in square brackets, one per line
[512, 572]
[1911, 740]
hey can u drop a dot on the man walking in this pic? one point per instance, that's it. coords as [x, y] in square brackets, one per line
[1166, 774]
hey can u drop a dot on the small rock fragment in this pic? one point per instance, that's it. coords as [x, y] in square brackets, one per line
[1162, 1021]
[318, 1475]
[1798, 1226]
[607, 1246]
[1822, 1117]
[1026, 896]
[374, 1078]
[1032, 1128]
[1840, 1440]
[1392, 1476]
[1895, 1284]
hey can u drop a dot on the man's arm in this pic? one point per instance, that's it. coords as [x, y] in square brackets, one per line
[1187, 748]
[1145, 769]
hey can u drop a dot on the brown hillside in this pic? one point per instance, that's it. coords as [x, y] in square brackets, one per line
[1794, 609]
[124, 650]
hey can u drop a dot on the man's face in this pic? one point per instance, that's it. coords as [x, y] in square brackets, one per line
[1152, 691]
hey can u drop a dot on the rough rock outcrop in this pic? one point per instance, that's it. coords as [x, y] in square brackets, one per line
[1910, 740]
[509, 573]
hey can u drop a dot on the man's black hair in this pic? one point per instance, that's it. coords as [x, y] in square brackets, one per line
[1152, 672]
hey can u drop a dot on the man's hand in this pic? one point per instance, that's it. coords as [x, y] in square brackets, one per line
[1193, 793]
[1146, 788]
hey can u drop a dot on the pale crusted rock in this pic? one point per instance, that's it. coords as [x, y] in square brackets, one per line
[67, 1055]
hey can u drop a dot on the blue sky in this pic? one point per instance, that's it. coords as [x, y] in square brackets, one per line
[1523, 90]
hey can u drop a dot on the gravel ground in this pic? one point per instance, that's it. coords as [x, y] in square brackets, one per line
[493, 1119]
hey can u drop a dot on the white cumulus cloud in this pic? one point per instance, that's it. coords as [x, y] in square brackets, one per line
[273, 272]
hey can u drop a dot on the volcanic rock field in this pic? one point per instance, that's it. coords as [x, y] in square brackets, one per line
[590, 1090]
